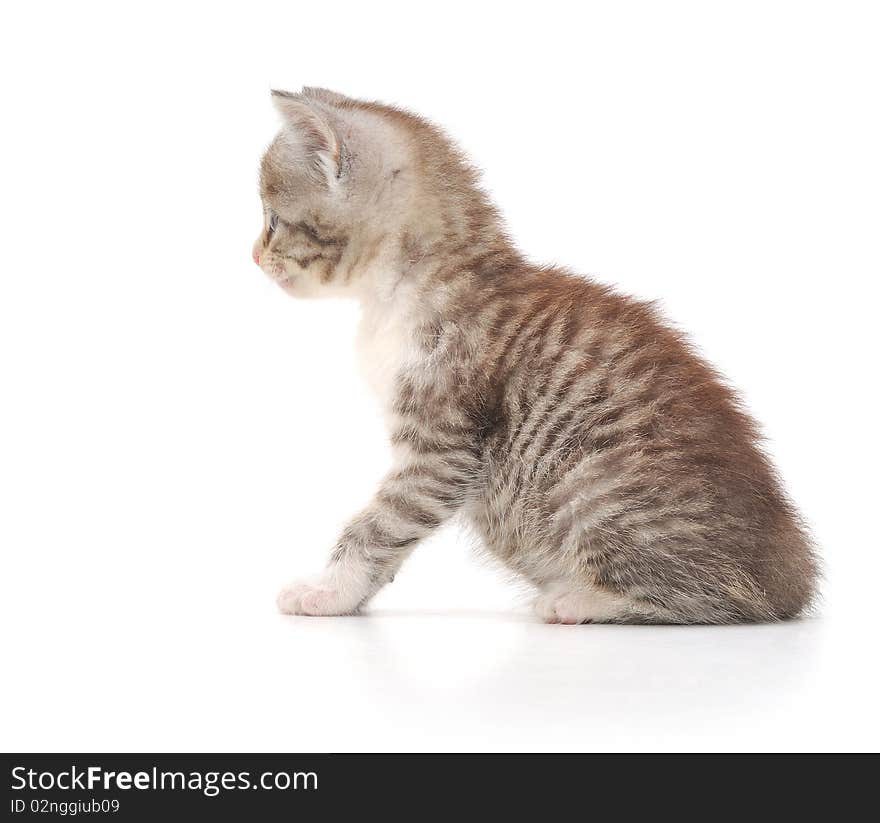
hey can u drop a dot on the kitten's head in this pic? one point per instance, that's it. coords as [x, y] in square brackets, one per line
[321, 183]
[352, 188]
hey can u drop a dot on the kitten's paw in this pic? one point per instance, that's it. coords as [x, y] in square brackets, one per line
[572, 609]
[289, 599]
[314, 599]
[544, 608]
[580, 606]
[341, 589]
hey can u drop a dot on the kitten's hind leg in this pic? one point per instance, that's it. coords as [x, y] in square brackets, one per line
[581, 605]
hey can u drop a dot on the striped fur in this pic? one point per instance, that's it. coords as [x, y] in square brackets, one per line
[595, 453]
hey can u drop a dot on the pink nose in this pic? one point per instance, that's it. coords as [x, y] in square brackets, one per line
[256, 257]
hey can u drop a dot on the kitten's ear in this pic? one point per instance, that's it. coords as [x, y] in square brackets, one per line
[328, 96]
[320, 143]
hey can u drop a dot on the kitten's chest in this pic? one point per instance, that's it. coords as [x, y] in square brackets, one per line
[385, 351]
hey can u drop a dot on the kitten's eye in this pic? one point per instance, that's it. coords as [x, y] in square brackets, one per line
[273, 221]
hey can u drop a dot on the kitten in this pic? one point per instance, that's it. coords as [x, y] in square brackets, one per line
[595, 453]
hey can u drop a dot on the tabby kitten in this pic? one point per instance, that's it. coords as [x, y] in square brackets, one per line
[595, 453]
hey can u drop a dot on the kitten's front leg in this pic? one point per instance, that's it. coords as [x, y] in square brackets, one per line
[423, 491]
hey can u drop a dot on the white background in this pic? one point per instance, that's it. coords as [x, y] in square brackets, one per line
[178, 438]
